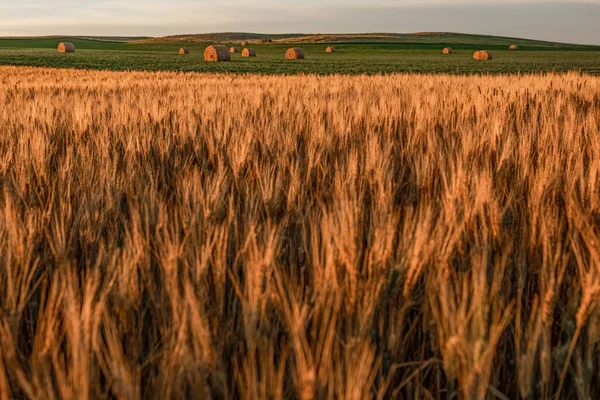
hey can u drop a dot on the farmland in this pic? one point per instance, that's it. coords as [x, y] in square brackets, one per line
[362, 55]
[168, 235]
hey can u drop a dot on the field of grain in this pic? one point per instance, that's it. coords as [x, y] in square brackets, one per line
[168, 235]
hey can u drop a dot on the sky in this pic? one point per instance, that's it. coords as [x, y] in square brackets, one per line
[574, 21]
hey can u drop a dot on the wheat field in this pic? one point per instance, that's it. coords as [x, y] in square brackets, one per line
[169, 235]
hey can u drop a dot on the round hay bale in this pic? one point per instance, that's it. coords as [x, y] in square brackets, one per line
[513, 47]
[249, 52]
[234, 50]
[245, 43]
[217, 53]
[330, 49]
[66, 47]
[447, 50]
[295, 53]
[184, 50]
[483, 55]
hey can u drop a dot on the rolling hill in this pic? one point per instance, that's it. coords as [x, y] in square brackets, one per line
[407, 38]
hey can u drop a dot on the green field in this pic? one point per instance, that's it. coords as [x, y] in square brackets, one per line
[371, 55]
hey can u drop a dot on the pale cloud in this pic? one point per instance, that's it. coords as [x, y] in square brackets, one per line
[565, 20]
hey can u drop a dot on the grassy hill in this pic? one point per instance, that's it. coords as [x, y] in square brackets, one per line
[227, 37]
[236, 37]
[407, 38]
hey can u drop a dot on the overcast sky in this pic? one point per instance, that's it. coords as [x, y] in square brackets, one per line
[562, 20]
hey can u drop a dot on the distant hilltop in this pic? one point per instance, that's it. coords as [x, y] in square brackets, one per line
[418, 37]
[449, 38]
[112, 39]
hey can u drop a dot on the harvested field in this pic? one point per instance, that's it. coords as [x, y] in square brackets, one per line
[354, 59]
[402, 236]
